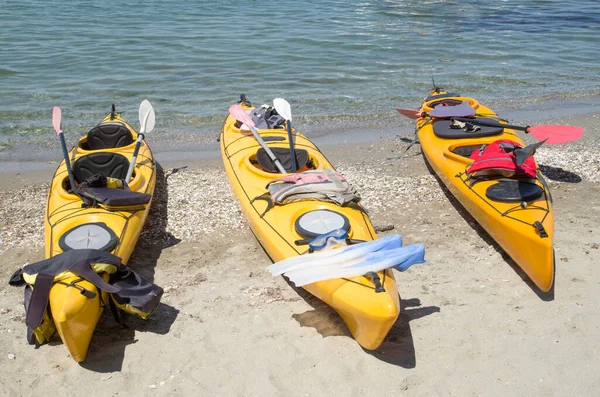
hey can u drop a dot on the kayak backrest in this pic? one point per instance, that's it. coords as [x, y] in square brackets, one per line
[284, 156]
[112, 165]
[108, 136]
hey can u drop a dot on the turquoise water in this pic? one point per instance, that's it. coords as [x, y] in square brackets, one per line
[332, 60]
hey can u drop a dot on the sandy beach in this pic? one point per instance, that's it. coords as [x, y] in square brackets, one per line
[472, 324]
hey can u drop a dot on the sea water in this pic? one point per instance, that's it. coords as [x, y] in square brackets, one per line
[339, 63]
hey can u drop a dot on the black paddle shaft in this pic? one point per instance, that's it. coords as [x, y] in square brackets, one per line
[491, 123]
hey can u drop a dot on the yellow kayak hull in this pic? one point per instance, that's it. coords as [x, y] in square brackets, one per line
[511, 227]
[75, 315]
[368, 315]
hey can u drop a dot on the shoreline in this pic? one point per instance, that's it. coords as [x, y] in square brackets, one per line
[201, 141]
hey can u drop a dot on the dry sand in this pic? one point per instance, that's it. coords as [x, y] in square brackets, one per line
[471, 323]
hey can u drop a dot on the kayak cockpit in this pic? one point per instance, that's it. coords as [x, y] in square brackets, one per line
[284, 156]
[107, 136]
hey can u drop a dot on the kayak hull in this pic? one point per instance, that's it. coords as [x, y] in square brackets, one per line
[75, 315]
[368, 315]
[510, 224]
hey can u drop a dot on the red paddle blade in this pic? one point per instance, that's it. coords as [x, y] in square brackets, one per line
[410, 113]
[556, 134]
[56, 119]
[238, 113]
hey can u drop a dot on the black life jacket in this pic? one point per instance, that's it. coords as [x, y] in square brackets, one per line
[129, 291]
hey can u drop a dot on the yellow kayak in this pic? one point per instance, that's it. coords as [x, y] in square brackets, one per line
[368, 314]
[107, 149]
[523, 225]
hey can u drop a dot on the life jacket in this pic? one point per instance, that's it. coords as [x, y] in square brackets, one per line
[128, 290]
[498, 158]
[322, 185]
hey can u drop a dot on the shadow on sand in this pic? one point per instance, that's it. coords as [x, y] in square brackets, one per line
[560, 175]
[397, 348]
[545, 296]
[107, 350]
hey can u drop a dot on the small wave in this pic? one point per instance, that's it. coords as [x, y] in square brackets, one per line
[8, 72]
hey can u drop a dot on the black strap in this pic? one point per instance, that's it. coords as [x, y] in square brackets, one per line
[85, 270]
[266, 197]
[545, 184]
[115, 312]
[39, 300]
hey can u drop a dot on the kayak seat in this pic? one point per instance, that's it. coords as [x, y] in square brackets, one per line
[442, 129]
[284, 156]
[512, 191]
[112, 165]
[116, 197]
[108, 136]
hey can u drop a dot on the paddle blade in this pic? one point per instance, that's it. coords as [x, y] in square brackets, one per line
[462, 110]
[410, 113]
[283, 108]
[147, 117]
[522, 154]
[238, 113]
[556, 134]
[56, 119]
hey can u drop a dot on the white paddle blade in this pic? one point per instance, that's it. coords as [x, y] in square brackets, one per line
[56, 119]
[238, 113]
[147, 117]
[283, 108]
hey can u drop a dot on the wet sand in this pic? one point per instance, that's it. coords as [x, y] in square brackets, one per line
[471, 322]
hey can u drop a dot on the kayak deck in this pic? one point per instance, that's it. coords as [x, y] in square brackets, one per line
[524, 229]
[75, 315]
[369, 315]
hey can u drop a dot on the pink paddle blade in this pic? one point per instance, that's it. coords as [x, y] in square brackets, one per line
[410, 113]
[462, 110]
[56, 119]
[238, 113]
[556, 134]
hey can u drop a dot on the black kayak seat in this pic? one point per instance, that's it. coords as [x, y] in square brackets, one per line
[109, 136]
[465, 151]
[116, 197]
[512, 191]
[442, 129]
[284, 156]
[113, 165]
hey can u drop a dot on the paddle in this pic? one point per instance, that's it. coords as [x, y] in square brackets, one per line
[552, 134]
[462, 110]
[284, 109]
[238, 113]
[57, 123]
[410, 113]
[147, 121]
[522, 153]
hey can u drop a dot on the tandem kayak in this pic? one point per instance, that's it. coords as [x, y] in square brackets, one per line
[113, 224]
[368, 307]
[513, 205]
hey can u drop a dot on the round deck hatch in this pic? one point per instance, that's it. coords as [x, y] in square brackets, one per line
[318, 222]
[89, 235]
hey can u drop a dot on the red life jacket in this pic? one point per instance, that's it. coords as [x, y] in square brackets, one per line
[498, 158]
